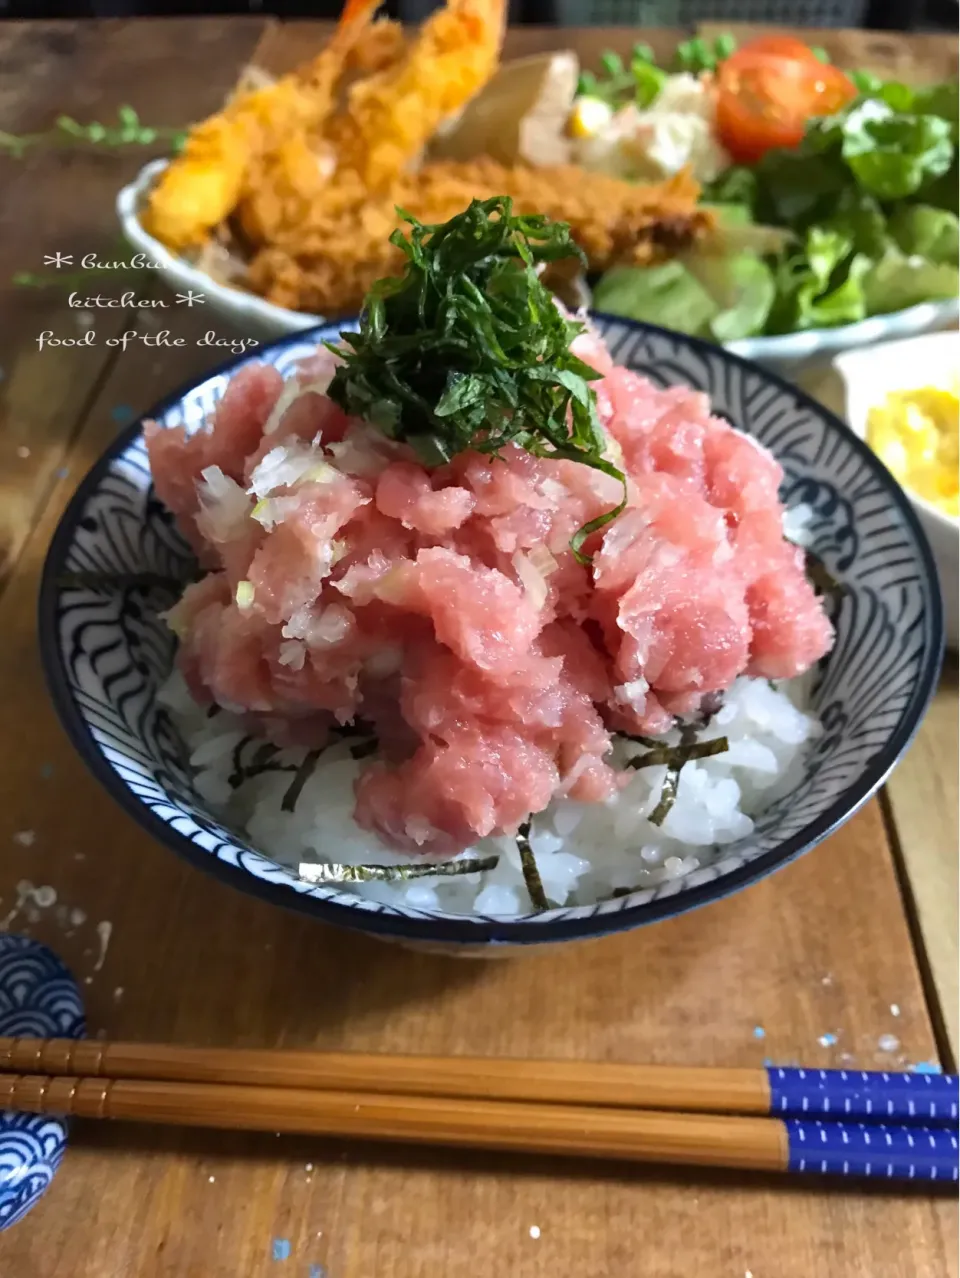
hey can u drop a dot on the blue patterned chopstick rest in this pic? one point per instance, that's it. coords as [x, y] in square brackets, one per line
[867, 1149]
[874, 1096]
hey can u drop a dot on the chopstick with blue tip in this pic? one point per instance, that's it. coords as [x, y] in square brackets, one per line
[826, 1094]
[927, 1154]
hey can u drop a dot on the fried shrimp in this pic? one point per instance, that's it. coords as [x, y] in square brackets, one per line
[299, 180]
[390, 117]
[203, 185]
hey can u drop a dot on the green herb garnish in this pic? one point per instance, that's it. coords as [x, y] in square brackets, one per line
[467, 348]
[128, 131]
[641, 81]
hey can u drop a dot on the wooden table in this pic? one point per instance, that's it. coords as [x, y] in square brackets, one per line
[855, 940]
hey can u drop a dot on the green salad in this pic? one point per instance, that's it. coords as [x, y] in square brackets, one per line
[858, 218]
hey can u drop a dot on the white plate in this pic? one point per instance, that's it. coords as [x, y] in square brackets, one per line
[868, 377]
[263, 318]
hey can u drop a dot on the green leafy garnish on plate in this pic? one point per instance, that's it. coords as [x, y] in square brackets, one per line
[128, 131]
[640, 79]
[467, 349]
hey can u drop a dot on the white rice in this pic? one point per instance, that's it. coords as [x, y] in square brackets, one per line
[584, 851]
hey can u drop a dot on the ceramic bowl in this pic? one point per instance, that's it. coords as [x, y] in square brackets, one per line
[261, 318]
[868, 377]
[106, 652]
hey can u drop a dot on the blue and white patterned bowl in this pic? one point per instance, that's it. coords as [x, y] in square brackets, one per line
[38, 999]
[106, 653]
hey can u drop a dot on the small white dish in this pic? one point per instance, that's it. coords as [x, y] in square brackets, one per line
[261, 318]
[868, 376]
[256, 315]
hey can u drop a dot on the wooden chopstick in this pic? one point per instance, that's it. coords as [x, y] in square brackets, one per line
[732, 1141]
[562, 1082]
[846, 1094]
[679, 1138]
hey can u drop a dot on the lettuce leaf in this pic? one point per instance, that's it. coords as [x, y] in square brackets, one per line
[899, 280]
[723, 296]
[667, 295]
[919, 229]
[821, 285]
[892, 154]
[859, 218]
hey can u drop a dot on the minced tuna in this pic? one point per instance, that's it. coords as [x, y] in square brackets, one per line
[446, 608]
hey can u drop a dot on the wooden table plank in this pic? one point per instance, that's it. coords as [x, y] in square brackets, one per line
[915, 59]
[924, 799]
[64, 202]
[822, 948]
[287, 44]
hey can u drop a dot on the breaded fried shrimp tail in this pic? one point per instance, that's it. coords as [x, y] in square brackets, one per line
[203, 185]
[390, 117]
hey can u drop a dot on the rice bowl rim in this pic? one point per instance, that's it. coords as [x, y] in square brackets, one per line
[466, 929]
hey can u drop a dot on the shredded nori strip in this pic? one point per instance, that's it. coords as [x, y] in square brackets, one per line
[365, 748]
[711, 704]
[820, 576]
[264, 760]
[332, 873]
[531, 875]
[676, 756]
[300, 780]
[668, 795]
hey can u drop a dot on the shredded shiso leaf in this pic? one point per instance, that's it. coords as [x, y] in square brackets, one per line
[311, 872]
[531, 875]
[467, 349]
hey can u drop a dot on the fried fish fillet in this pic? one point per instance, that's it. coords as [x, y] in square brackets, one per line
[326, 264]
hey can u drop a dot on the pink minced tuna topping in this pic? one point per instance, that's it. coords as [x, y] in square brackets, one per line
[446, 608]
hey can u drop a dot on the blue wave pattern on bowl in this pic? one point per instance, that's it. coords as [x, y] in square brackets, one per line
[107, 653]
[38, 999]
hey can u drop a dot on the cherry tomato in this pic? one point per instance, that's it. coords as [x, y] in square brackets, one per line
[764, 99]
[778, 46]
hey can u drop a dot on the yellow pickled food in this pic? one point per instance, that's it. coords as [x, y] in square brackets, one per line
[915, 435]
